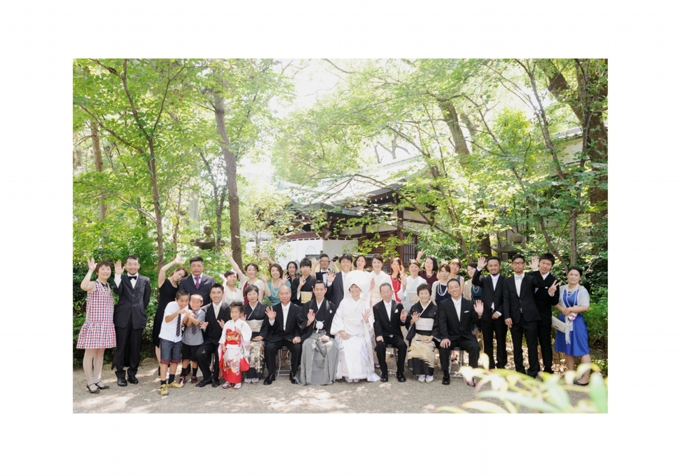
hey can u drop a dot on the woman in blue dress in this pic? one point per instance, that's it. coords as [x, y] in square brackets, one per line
[574, 301]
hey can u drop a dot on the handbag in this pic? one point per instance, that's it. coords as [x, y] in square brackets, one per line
[559, 325]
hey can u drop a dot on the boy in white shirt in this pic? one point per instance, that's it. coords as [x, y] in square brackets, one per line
[171, 338]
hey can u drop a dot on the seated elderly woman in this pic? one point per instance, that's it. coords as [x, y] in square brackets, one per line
[353, 331]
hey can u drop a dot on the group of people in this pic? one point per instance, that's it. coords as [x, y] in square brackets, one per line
[330, 318]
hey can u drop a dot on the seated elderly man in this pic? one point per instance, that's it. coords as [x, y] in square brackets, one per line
[319, 351]
[281, 329]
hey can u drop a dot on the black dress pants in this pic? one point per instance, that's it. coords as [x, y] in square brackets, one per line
[380, 349]
[128, 344]
[468, 344]
[530, 331]
[545, 341]
[271, 348]
[500, 329]
[207, 352]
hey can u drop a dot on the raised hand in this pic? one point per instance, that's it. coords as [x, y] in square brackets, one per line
[227, 252]
[271, 314]
[366, 314]
[265, 278]
[303, 280]
[331, 276]
[403, 315]
[286, 277]
[481, 262]
[118, 268]
[553, 288]
[403, 279]
[415, 317]
[419, 255]
[310, 317]
[178, 259]
[91, 264]
[534, 263]
[479, 307]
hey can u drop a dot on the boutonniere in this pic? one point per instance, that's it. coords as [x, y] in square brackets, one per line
[396, 311]
[330, 312]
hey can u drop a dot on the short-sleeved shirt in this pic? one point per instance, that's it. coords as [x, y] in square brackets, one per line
[169, 329]
[193, 334]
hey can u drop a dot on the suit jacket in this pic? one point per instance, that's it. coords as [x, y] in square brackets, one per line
[213, 332]
[489, 294]
[336, 291]
[385, 325]
[189, 285]
[545, 302]
[514, 306]
[308, 287]
[451, 325]
[325, 315]
[132, 302]
[275, 332]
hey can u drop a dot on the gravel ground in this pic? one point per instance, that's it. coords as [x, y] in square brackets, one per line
[280, 397]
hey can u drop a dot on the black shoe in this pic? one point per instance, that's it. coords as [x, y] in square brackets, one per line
[400, 377]
[204, 382]
[216, 383]
[383, 377]
[576, 382]
[446, 380]
[132, 379]
[122, 382]
[270, 378]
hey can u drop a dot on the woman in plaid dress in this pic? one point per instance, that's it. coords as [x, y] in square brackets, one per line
[98, 333]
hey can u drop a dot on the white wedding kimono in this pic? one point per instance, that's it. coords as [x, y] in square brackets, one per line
[356, 353]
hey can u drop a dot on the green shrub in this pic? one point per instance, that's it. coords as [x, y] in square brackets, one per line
[596, 319]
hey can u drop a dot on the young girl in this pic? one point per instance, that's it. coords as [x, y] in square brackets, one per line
[423, 316]
[98, 333]
[234, 345]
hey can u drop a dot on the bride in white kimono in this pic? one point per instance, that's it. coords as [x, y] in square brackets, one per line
[353, 331]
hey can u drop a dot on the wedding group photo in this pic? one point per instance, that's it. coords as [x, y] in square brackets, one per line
[340, 236]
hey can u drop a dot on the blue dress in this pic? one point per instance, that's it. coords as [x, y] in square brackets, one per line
[579, 333]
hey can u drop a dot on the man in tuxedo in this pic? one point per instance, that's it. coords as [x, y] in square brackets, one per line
[521, 314]
[129, 317]
[390, 317]
[319, 360]
[541, 267]
[216, 314]
[336, 281]
[282, 329]
[456, 316]
[492, 320]
[322, 274]
[197, 282]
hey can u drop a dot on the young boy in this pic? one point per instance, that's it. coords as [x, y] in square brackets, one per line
[234, 345]
[171, 338]
[192, 338]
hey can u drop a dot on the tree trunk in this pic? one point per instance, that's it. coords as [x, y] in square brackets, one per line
[451, 118]
[230, 169]
[98, 164]
[151, 163]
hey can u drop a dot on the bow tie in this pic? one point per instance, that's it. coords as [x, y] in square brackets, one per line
[133, 277]
[324, 272]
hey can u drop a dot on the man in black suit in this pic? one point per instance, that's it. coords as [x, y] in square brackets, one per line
[456, 316]
[197, 282]
[390, 317]
[492, 322]
[336, 281]
[541, 267]
[129, 317]
[521, 314]
[216, 314]
[282, 329]
[322, 274]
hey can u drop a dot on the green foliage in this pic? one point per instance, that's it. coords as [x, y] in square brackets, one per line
[597, 319]
[518, 391]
